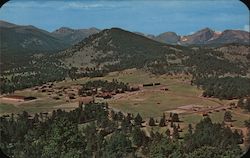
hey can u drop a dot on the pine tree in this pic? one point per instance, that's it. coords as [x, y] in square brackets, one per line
[240, 103]
[164, 117]
[190, 129]
[178, 126]
[171, 123]
[168, 133]
[126, 125]
[247, 125]
[175, 117]
[112, 115]
[247, 104]
[138, 119]
[228, 116]
[138, 136]
[170, 114]
[176, 134]
[162, 122]
[36, 118]
[120, 116]
[151, 122]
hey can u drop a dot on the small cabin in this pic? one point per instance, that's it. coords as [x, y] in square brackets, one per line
[85, 100]
[157, 83]
[134, 88]
[148, 84]
[164, 89]
[29, 98]
[14, 98]
[205, 114]
[106, 95]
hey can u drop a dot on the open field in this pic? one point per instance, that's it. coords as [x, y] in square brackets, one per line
[132, 76]
[8, 108]
[43, 103]
[149, 101]
[154, 103]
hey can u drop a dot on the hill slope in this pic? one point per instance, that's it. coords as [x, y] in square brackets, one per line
[27, 39]
[118, 48]
[20, 43]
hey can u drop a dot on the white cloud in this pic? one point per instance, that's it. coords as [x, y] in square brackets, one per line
[62, 5]
[79, 5]
[246, 28]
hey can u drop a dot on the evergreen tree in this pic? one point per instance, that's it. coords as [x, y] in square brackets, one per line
[162, 122]
[162, 148]
[138, 119]
[247, 125]
[175, 117]
[120, 116]
[240, 103]
[227, 116]
[247, 104]
[151, 122]
[126, 125]
[138, 136]
[171, 123]
[178, 126]
[170, 114]
[176, 134]
[112, 115]
[190, 129]
[118, 145]
[164, 117]
[168, 133]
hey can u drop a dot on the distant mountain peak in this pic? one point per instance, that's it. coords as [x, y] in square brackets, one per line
[73, 36]
[63, 30]
[168, 37]
[93, 28]
[205, 29]
[199, 37]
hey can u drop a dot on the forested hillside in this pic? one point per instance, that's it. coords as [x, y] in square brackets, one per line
[95, 131]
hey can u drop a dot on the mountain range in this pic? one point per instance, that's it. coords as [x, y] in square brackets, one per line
[29, 39]
[16, 39]
[205, 36]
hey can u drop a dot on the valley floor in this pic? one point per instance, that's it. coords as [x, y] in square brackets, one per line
[174, 94]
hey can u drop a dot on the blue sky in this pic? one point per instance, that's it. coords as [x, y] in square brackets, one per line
[150, 17]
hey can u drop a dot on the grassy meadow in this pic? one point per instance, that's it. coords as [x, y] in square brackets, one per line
[150, 102]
